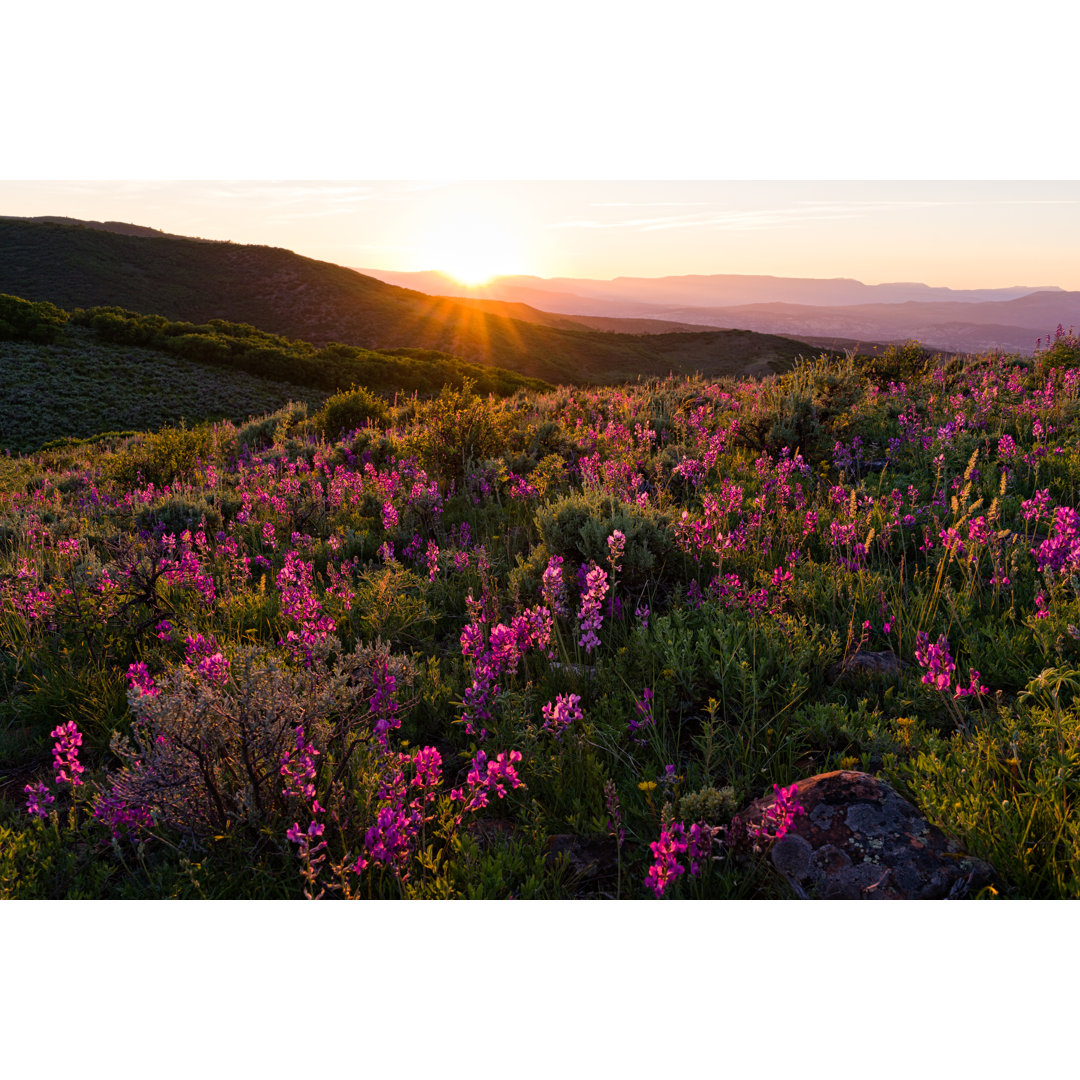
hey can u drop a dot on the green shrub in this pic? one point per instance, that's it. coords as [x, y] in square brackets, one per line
[349, 410]
[577, 528]
[25, 320]
[160, 457]
[178, 513]
[458, 429]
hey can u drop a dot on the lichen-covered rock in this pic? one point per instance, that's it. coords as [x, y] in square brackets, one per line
[860, 840]
[884, 664]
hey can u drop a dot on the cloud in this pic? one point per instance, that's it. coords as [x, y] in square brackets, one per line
[725, 219]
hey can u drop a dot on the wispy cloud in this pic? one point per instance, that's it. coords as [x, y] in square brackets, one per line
[725, 219]
[803, 211]
[676, 202]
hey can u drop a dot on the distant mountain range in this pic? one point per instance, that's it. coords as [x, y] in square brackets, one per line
[958, 320]
[87, 264]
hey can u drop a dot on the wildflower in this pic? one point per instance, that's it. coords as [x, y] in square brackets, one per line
[487, 776]
[140, 681]
[974, 687]
[611, 803]
[616, 543]
[666, 851]
[778, 818]
[120, 816]
[553, 587]
[66, 753]
[700, 845]
[298, 768]
[936, 659]
[590, 617]
[38, 798]
[383, 704]
[645, 717]
[428, 762]
[560, 715]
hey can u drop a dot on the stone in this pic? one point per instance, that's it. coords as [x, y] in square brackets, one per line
[884, 664]
[860, 840]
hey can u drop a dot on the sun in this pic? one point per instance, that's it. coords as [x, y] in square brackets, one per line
[471, 250]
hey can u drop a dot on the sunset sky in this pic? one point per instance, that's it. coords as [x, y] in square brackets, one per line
[589, 138]
[962, 234]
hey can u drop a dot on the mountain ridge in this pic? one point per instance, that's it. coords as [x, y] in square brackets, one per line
[72, 266]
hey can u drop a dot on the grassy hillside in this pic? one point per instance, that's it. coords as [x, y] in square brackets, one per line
[107, 370]
[79, 387]
[279, 291]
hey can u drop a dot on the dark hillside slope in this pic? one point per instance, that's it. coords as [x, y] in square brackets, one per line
[276, 290]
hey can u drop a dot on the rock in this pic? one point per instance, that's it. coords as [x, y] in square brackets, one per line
[859, 840]
[589, 857]
[884, 664]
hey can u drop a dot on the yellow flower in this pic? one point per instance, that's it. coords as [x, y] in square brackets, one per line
[647, 785]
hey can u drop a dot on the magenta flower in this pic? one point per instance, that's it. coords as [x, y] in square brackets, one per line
[121, 817]
[38, 798]
[66, 753]
[590, 617]
[560, 715]
[778, 818]
[936, 659]
[666, 850]
[140, 681]
[383, 704]
[486, 777]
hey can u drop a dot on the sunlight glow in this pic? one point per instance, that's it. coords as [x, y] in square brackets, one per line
[471, 250]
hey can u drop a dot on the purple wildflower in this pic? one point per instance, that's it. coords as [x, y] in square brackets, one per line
[666, 850]
[66, 753]
[38, 798]
[590, 617]
[560, 715]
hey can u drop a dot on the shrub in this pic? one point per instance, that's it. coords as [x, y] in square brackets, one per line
[458, 428]
[160, 457]
[204, 755]
[25, 320]
[349, 410]
[577, 528]
[178, 513]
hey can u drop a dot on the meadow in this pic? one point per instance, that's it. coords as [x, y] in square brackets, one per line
[547, 644]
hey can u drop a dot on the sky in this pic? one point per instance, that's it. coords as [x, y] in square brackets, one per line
[585, 139]
[956, 233]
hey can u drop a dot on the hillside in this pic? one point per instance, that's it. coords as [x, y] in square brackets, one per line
[76, 375]
[276, 290]
[80, 387]
[959, 320]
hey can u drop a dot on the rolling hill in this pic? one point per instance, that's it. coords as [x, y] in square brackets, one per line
[837, 309]
[79, 266]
